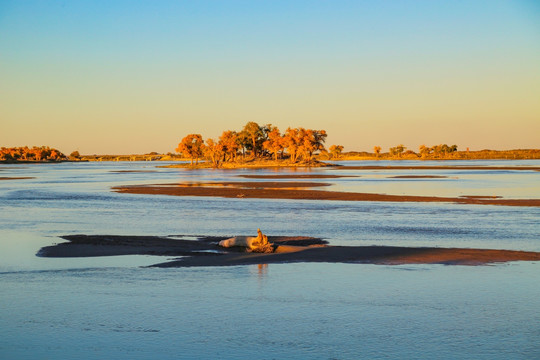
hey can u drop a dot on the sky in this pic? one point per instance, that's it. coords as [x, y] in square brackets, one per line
[121, 77]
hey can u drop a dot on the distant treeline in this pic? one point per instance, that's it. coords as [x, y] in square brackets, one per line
[34, 154]
[440, 152]
[295, 145]
[154, 156]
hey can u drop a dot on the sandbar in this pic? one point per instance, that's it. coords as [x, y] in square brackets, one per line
[204, 251]
[294, 191]
[379, 255]
[418, 177]
[133, 171]
[299, 176]
[252, 184]
[16, 178]
[80, 245]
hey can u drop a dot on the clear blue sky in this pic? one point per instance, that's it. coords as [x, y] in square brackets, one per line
[137, 76]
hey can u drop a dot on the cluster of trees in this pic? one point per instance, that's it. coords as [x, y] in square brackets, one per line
[397, 150]
[255, 141]
[335, 151]
[43, 153]
[437, 151]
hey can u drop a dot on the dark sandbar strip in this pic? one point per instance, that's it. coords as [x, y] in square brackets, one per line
[418, 177]
[17, 178]
[381, 255]
[303, 194]
[133, 171]
[113, 245]
[205, 251]
[266, 184]
[248, 184]
[306, 176]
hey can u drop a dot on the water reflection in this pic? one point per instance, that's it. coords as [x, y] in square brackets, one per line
[259, 272]
[262, 270]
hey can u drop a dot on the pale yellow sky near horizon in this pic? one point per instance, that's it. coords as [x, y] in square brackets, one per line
[367, 74]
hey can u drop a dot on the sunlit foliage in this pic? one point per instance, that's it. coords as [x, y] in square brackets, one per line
[43, 153]
[191, 146]
[255, 142]
[398, 150]
[335, 151]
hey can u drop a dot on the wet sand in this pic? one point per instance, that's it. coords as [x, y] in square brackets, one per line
[251, 184]
[16, 178]
[305, 176]
[174, 245]
[293, 191]
[133, 171]
[204, 251]
[417, 177]
[379, 255]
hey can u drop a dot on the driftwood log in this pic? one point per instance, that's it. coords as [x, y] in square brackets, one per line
[257, 243]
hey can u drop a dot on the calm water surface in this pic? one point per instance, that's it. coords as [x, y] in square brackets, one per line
[95, 308]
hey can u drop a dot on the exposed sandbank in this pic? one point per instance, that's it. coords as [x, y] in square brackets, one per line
[381, 255]
[291, 190]
[177, 245]
[16, 178]
[204, 251]
[480, 197]
[299, 176]
[418, 177]
[133, 171]
[252, 184]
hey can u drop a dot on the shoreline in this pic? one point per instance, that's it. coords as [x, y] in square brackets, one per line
[252, 164]
[204, 251]
[302, 165]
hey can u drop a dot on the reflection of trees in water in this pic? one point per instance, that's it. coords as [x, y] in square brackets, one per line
[263, 269]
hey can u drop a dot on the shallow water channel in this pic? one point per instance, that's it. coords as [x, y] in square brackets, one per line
[113, 307]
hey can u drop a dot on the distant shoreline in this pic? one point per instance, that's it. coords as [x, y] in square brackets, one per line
[318, 161]
[514, 154]
[517, 154]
